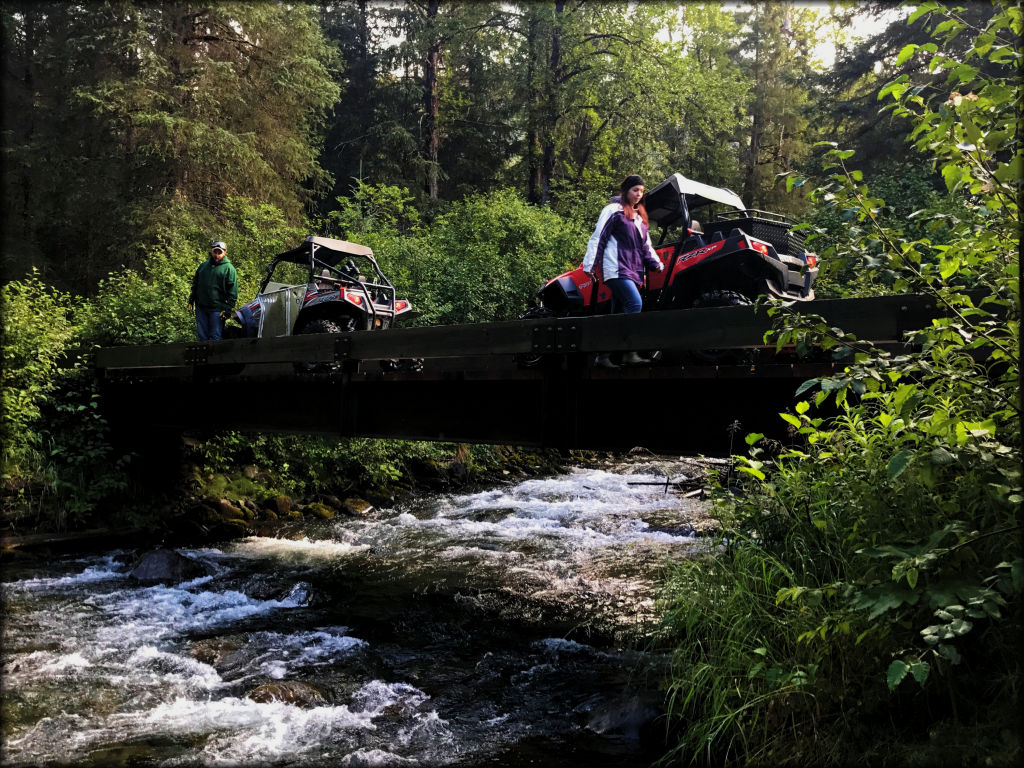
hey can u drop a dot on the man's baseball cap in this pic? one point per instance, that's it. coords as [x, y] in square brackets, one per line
[219, 244]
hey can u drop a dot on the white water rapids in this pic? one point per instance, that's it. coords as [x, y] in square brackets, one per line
[495, 628]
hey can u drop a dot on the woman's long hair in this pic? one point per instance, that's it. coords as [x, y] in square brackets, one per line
[630, 212]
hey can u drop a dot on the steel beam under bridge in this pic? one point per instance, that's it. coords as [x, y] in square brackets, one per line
[472, 389]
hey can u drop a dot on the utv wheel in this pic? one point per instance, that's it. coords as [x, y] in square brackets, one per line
[532, 359]
[720, 298]
[342, 325]
[324, 326]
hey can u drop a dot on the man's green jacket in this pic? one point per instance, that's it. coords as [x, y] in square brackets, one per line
[215, 286]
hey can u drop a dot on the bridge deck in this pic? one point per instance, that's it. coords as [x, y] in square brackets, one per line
[472, 389]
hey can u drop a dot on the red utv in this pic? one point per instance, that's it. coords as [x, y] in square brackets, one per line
[735, 256]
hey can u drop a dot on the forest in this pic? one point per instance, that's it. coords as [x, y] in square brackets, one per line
[866, 603]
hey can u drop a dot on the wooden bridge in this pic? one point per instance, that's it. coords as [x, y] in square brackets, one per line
[472, 386]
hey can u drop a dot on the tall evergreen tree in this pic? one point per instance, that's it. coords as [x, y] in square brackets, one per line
[777, 54]
[136, 109]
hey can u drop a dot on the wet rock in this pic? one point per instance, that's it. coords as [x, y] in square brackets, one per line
[205, 514]
[457, 473]
[628, 717]
[250, 471]
[290, 692]
[282, 504]
[213, 650]
[357, 507]
[235, 527]
[229, 510]
[429, 474]
[168, 566]
[320, 510]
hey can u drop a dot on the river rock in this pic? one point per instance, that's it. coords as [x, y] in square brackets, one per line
[628, 717]
[250, 471]
[214, 650]
[282, 504]
[457, 473]
[357, 507]
[168, 566]
[230, 510]
[290, 692]
[320, 510]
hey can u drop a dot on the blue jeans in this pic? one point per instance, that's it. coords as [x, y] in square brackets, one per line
[209, 326]
[625, 296]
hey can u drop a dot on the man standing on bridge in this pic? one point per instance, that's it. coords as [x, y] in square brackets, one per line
[214, 291]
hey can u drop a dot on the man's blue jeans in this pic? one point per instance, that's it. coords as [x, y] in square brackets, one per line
[209, 326]
[625, 296]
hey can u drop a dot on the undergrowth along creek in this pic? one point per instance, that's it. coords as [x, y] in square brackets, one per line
[865, 607]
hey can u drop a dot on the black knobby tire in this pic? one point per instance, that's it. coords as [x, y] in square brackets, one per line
[324, 325]
[533, 359]
[721, 298]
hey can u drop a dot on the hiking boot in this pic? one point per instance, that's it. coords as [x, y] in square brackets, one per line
[603, 361]
[632, 358]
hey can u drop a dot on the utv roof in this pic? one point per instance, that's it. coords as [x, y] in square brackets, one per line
[327, 250]
[663, 201]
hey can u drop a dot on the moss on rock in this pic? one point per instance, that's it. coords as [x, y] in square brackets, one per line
[357, 507]
[320, 510]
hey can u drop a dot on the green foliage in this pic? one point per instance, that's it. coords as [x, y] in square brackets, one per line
[54, 436]
[486, 258]
[308, 465]
[136, 109]
[85, 471]
[39, 323]
[878, 556]
[833, 231]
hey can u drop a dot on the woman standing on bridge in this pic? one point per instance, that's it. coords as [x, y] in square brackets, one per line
[616, 253]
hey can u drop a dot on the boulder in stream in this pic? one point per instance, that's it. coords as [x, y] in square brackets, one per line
[357, 507]
[290, 692]
[629, 716]
[168, 566]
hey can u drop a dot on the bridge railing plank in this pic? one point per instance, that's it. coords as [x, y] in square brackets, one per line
[880, 319]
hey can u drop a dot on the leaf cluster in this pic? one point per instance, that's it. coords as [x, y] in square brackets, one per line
[872, 573]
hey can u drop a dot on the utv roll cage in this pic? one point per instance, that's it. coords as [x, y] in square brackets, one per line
[323, 256]
[672, 204]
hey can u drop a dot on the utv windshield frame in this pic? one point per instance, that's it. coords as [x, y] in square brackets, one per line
[672, 203]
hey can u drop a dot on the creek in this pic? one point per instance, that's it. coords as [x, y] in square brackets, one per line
[503, 627]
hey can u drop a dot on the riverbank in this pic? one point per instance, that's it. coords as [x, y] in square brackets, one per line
[243, 500]
[204, 505]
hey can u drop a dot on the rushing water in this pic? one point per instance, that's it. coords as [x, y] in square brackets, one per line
[505, 627]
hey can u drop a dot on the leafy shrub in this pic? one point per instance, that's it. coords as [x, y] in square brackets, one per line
[872, 575]
[487, 257]
[39, 325]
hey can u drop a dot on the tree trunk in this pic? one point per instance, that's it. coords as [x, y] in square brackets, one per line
[551, 116]
[750, 177]
[432, 141]
[530, 150]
